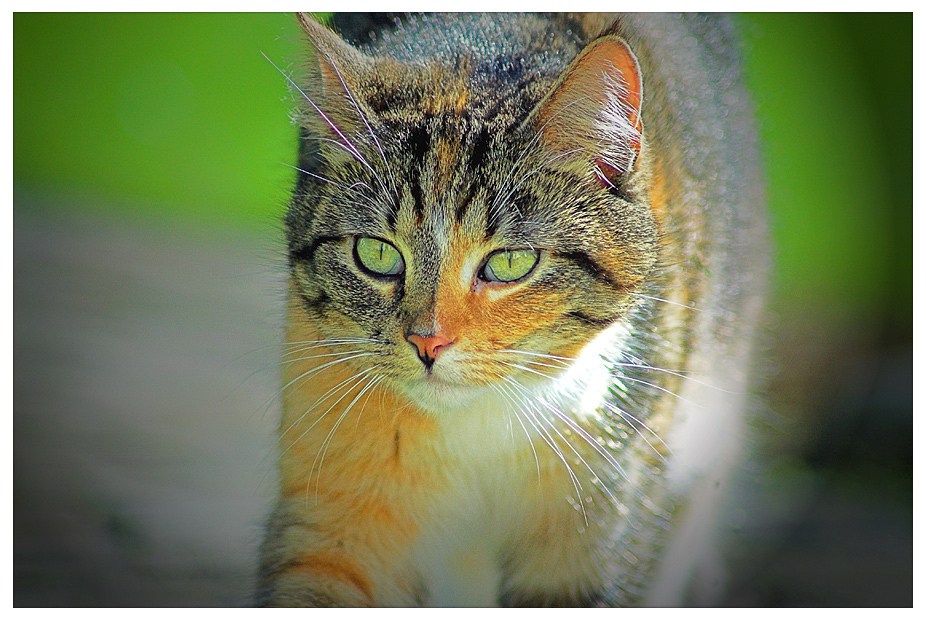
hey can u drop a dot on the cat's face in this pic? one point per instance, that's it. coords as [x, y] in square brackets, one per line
[451, 238]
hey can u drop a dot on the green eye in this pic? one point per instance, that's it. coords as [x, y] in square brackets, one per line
[509, 265]
[378, 257]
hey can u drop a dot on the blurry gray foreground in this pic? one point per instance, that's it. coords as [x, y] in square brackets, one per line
[144, 374]
[145, 363]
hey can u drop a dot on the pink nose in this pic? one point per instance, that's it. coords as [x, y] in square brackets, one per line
[429, 347]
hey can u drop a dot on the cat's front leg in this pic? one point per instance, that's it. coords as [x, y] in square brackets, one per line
[348, 551]
[301, 566]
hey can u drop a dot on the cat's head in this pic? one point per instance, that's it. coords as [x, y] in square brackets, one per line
[469, 222]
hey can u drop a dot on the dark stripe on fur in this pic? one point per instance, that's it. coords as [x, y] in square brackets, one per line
[465, 202]
[581, 316]
[588, 264]
[480, 148]
[418, 143]
[315, 305]
[305, 254]
[419, 201]
[476, 160]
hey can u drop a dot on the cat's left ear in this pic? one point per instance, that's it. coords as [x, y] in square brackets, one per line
[593, 112]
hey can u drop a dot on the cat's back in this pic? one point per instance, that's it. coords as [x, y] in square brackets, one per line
[701, 118]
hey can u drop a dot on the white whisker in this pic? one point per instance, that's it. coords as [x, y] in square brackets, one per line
[317, 402]
[525, 150]
[363, 407]
[541, 355]
[496, 204]
[335, 183]
[572, 424]
[675, 373]
[660, 299]
[526, 369]
[542, 429]
[327, 441]
[512, 401]
[318, 369]
[318, 356]
[631, 419]
[346, 145]
[655, 387]
[302, 377]
[363, 117]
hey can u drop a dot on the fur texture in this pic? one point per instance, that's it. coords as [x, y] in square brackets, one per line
[561, 437]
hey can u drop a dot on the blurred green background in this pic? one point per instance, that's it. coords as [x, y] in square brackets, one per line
[178, 118]
[179, 115]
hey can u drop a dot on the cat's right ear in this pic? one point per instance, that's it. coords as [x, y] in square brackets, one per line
[331, 105]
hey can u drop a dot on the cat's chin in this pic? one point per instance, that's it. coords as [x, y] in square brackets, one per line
[437, 397]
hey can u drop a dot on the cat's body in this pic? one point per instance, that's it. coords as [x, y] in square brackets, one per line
[527, 262]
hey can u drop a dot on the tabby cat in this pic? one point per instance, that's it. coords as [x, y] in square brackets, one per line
[527, 257]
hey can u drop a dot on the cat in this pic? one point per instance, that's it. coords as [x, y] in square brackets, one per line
[527, 260]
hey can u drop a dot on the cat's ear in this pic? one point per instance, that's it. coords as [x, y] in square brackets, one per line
[330, 100]
[593, 112]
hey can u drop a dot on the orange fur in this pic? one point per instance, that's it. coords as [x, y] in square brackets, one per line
[375, 467]
[658, 196]
[450, 91]
[337, 568]
[487, 314]
[447, 153]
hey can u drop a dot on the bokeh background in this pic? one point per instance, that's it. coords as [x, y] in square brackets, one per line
[152, 161]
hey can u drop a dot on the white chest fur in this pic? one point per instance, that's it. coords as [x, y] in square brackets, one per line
[507, 466]
[513, 469]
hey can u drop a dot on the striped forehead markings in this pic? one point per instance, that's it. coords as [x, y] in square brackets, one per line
[418, 202]
[465, 202]
[477, 155]
[479, 149]
[419, 142]
[442, 160]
